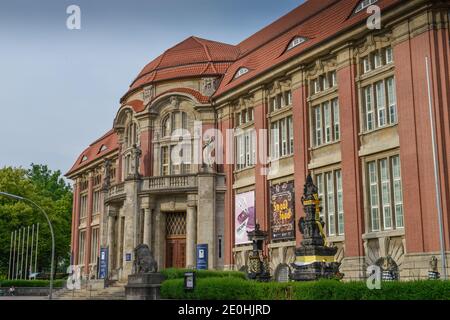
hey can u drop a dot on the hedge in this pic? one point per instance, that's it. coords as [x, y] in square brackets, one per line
[31, 283]
[173, 273]
[238, 289]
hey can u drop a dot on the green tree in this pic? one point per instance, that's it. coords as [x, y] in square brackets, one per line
[50, 191]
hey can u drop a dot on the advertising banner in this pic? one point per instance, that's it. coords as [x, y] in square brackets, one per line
[202, 257]
[244, 216]
[282, 208]
[103, 270]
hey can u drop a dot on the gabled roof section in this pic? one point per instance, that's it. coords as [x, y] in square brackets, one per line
[107, 142]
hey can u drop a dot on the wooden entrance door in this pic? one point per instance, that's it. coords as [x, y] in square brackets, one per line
[176, 240]
[175, 253]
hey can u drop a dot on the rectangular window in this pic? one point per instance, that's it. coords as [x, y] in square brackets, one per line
[389, 55]
[97, 202]
[381, 103]
[373, 196]
[370, 117]
[246, 149]
[165, 161]
[275, 134]
[291, 135]
[392, 100]
[318, 125]
[330, 204]
[366, 64]
[289, 97]
[327, 115]
[380, 110]
[320, 191]
[340, 201]
[284, 137]
[81, 247]
[317, 88]
[377, 61]
[398, 196]
[94, 246]
[336, 118]
[329, 188]
[385, 192]
[83, 206]
[281, 138]
[334, 79]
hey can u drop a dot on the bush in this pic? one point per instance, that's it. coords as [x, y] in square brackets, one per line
[239, 289]
[173, 273]
[31, 283]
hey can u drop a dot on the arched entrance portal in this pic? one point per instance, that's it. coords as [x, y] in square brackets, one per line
[176, 240]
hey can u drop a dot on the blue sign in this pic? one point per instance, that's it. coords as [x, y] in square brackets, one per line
[128, 257]
[202, 256]
[103, 272]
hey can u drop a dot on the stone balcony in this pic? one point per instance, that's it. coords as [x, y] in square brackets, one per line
[116, 192]
[169, 184]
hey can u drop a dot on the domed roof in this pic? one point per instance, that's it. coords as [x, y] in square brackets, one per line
[191, 57]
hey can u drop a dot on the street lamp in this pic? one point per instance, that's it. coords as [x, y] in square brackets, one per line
[51, 231]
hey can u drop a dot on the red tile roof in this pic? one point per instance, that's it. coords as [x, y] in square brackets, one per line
[316, 20]
[192, 57]
[92, 153]
[197, 95]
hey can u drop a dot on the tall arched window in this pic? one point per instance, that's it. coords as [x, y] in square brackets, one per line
[173, 124]
[131, 134]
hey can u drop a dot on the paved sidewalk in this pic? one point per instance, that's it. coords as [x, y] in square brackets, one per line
[23, 298]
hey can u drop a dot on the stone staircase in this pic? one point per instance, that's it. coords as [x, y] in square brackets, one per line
[115, 291]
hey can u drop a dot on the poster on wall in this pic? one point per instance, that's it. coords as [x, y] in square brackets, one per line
[244, 216]
[282, 211]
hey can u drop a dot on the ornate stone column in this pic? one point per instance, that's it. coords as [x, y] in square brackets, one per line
[112, 214]
[191, 231]
[147, 237]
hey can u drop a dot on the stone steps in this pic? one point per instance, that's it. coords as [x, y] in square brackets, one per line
[115, 292]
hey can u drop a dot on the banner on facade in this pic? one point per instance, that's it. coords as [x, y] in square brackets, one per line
[244, 216]
[103, 270]
[282, 201]
[202, 257]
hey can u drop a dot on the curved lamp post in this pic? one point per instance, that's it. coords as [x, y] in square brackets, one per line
[51, 231]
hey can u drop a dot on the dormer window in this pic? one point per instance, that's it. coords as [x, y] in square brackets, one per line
[364, 4]
[84, 159]
[102, 148]
[241, 72]
[296, 42]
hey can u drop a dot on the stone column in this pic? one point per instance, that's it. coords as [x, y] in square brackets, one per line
[147, 237]
[112, 214]
[191, 231]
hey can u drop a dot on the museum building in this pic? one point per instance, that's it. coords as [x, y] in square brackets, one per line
[338, 98]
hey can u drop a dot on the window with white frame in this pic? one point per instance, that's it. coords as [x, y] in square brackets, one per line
[377, 59]
[94, 245]
[241, 72]
[329, 185]
[296, 42]
[244, 117]
[364, 4]
[385, 194]
[280, 101]
[131, 134]
[83, 206]
[97, 202]
[323, 82]
[326, 123]
[245, 149]
[380, 104]
[281, 138]
[81, 246]
[173, 121]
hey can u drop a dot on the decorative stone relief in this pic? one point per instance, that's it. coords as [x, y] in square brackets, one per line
[208, 86]
[148, 94]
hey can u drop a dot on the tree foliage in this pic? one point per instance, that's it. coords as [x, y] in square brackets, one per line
[51, 192]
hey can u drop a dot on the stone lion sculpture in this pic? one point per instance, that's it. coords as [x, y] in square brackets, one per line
[144, 261]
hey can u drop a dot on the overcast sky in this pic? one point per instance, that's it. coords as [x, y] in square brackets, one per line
[60, 88]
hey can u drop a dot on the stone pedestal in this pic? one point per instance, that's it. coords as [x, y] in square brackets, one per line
[144, 286]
